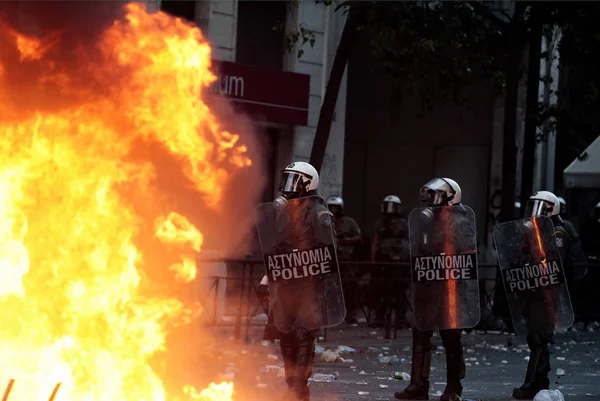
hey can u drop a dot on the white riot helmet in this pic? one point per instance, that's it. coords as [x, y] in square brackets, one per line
[441, 192]
[335, 204]
[297, 179]
[543, 203]
[391, 204]
[563, 205]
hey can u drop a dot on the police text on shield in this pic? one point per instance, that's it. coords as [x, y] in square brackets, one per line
[300, 264]
[444, 267]
[531, 277]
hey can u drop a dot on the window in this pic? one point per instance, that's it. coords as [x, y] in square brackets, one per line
[182, 9]
[260, 34]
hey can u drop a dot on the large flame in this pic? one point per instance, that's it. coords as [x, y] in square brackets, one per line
[76, 202]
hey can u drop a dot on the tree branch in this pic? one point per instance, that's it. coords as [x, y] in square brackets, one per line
[485, 12]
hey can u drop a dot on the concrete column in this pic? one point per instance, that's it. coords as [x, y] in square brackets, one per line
[316, 62]
[222, 28]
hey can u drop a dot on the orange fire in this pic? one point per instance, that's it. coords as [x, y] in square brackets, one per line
[78, 196]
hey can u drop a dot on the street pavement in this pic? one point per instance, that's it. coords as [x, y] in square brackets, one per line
[496, 363]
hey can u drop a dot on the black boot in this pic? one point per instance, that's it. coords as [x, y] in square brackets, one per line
[455, 365]
[303, 369]
[455, 372]
[288, 353]
[418, 388]
[536, 378]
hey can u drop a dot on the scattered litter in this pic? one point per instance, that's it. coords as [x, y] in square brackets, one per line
[527, 358]
[363, 393]
[261, 385]
[406, 348]
[373, 349]
[319, 349]
[574, 362]
[470, 350]
[560, 372]
[437, 393]
[549, 395]
[504, 362]
[362, 372]
[322, 378]
[403, 360]
[272, 357]
[264, 343]
[401, 376]
[388, 359]
[362, 383]
[383, 386]
[345, 348]
[560, 358]
[385, 348]
[347, 360]
[330, 356]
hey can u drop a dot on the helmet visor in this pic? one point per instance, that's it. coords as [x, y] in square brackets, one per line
[390, 208]
[538, 207]
[434, 191]
[291, 182]
[335, 209]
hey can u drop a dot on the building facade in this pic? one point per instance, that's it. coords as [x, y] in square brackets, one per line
[280, 91]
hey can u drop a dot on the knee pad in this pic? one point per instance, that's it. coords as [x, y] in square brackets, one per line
[301, 335]
[537, 338]
[422, 337]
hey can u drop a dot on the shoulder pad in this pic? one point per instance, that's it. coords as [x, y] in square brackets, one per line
[327, 212]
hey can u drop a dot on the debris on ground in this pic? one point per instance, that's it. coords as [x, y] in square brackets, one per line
[549, 395]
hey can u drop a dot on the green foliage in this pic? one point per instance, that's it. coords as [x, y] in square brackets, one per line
[435, 49]
[295, 39]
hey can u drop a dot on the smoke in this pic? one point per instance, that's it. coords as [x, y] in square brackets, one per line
[70, 31]
[73, 71]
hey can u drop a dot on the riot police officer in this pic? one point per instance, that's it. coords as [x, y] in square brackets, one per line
[540, 331]
[297, 302]
[389, 245]
[348, 239]
[440, 192]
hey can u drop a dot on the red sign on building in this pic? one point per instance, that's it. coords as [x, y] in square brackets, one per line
[264, 94]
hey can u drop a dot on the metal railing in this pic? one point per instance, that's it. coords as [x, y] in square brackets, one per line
[246, 274]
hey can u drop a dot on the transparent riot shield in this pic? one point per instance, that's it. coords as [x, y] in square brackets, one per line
[298, 247]
[533, 275]
[443, 253]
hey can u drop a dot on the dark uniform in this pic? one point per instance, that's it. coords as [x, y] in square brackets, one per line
[437, 240]
[541, 323]
[346, 227]
[306, 227]
[392, 247]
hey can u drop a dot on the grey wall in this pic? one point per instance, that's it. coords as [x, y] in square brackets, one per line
[390, 150]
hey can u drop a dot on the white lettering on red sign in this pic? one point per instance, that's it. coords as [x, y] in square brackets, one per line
[228, 85]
